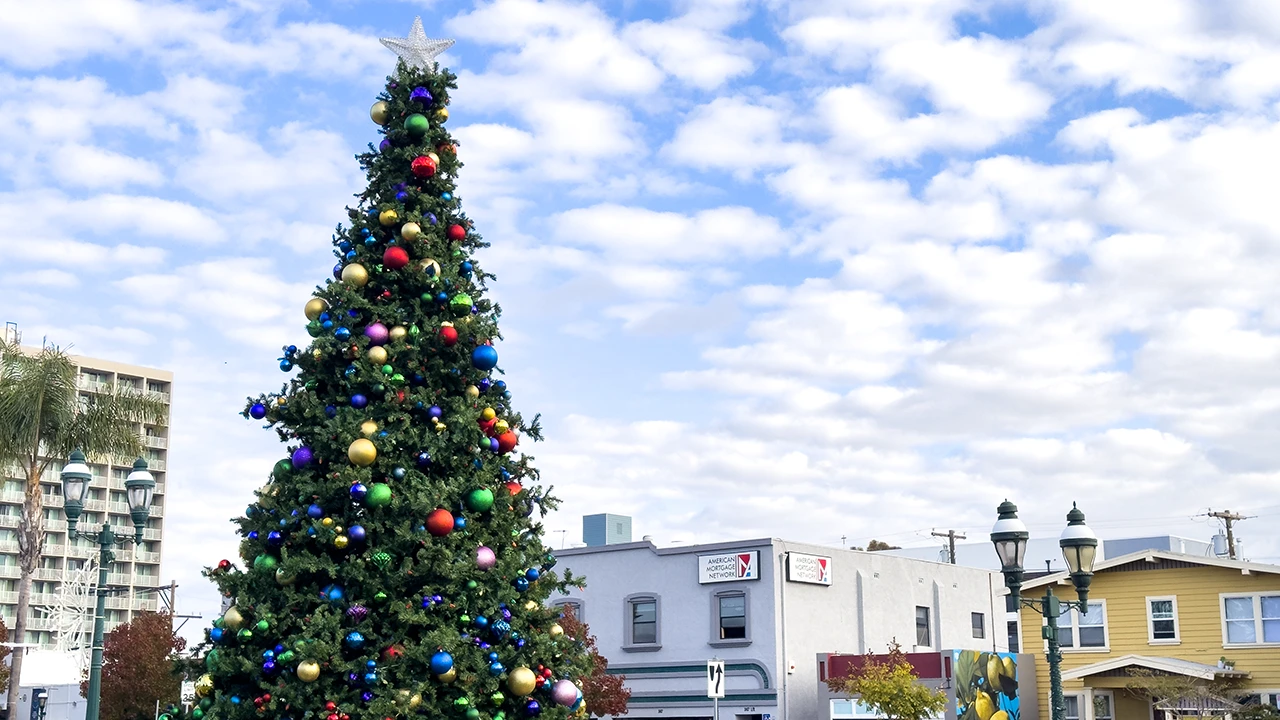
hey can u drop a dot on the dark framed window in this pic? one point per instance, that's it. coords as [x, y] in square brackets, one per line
[979, 622]
[924, 638]
[1014, 644]
[642, 622]
[570, 606]
[733, 616]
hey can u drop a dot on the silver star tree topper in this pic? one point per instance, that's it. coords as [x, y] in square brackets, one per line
[417, 50]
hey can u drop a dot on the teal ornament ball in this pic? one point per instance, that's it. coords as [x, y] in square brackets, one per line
[480, 500]
[379, 495]
[417, 125]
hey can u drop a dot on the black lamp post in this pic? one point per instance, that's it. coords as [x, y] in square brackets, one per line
[1079, 548]
[75, 486]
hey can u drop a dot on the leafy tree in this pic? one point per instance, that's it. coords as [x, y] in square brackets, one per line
[394, 565]
[878, 545]
[1146, 683]
[889, 686]
[605, 694]
[42, 419]
[139, 667]
[4, 653]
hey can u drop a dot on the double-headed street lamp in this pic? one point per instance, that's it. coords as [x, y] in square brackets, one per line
[1079, 548]
[75, 486]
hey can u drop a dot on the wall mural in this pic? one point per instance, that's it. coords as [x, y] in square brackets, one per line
[986, 685]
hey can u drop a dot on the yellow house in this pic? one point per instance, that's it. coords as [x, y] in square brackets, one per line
[1172, 614]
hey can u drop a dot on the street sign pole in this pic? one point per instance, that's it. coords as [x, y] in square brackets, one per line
[715, 685]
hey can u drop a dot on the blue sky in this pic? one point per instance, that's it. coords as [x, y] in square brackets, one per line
[807, 269]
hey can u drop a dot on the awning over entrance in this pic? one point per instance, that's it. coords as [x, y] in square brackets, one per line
[1120, 666]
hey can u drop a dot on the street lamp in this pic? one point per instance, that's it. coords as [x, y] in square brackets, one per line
[1079, 548]
[75, 487]
[42, 699]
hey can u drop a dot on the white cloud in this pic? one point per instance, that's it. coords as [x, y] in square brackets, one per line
[93, 167]
[720, 234]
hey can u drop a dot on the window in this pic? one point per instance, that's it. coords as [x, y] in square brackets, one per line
[1073, 707]
[731, 614]
[1084, 631]
[642, 628]
[979, 622]
[923, 636]
[1102, 707]
[570, 606]
[1251, 619]
[1014, 644]
[1162, 620]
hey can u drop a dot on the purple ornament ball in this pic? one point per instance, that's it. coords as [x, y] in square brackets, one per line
[533, 708]
[485, 558]
[377, 334]
[420, 95]
[435, 411]
[366, 696]
[356, 533]
[385, 145]
[357, 612]
[301, 457]
[564, 693]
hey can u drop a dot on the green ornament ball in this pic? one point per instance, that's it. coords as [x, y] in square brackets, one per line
[480, 500]
[264, 562]
[462, 702]
[383, 561]
[244, 635]
[387, 369]
[380, 596]
[285, 657]
[472, 584]
[262, 626]
[414, 331]
[282, 467]
[198, 714]
[497, 698]
[397, 379]
[417, 125]
[379, 495]
[206, 703]
[464, 620]
[473, 714]
[461, 304]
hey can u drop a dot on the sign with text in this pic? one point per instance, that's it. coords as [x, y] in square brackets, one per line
[188, 692]
[813, 569]
[715, 678]
[729, 567]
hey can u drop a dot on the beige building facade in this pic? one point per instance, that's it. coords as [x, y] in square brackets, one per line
[61, 591]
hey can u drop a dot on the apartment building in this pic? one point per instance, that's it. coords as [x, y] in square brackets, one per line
[66, 576]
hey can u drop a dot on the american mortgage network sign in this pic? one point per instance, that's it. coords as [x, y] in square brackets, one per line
[729, 567]
[812, 569]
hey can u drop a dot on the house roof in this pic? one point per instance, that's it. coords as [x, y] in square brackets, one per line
[1161, 664]
[1155, 556]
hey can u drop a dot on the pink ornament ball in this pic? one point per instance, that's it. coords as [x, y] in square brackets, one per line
[377, 333]
[564, 693]
[485, 558]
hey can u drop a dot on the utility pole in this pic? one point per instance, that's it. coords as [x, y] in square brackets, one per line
[951, 536]
[1228, 517]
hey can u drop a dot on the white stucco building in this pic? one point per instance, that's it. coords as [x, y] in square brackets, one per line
[768, 608]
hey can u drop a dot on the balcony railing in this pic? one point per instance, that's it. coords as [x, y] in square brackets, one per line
[146, 557]
[156, 464]
[47, 574]
[155, 441]
[85, 382]
[11, 521]
[147, 580]
[117, 579]
[160, 395]
[9, 571]
[12, 496]
[147, 533]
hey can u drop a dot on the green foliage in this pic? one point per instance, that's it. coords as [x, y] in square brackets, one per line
[138, 667]
[889, 686]
[287, 605]
[1257, 712]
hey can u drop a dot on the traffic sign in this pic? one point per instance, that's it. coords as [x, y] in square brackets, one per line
[715, 679]
[188, 692]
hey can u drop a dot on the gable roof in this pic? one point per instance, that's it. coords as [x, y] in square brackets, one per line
[1155, 557]
[1173, 666]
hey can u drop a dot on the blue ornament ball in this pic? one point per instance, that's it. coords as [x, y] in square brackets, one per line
[359, 401]
[315, 511]
[354, 640]
[216, 634]
[275, 539]
[441, 663]
[484, 357]
[258, 411]
[371, 678]
[435, 411]
[521, 584]
[459, 522]
[496, 669]
[253, 535]
[337, 270]
[532, 708]
[493, 657]
[342, 334]
[423, 459]
[399, 473]
[358, 491]
[330, 411]
[367, 696]
[357, 534]
[494, 445]
[269, 667]
[481, 621]
[532, 574]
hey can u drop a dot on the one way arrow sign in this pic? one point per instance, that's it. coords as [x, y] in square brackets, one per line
[715, 678]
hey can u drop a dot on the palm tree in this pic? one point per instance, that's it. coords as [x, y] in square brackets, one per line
[42, 419]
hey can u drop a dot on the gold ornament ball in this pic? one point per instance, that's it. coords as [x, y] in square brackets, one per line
[442, 114]
[531, 606]
[308, 671]
[317, 354]
[377, 355]
[473, 391]
[555, 630]
[327, 522]
[232, 619]
[521, 681]
[434, 157]
[388, 217]
[314, 308]
[380, 112]
[362, 453]
[283, 577]
[487, 414]
[204, 686]
[448, 677]
[431, 268]
[341, 542]
[501, 426]
[415, 701]
[410, 231]
[398, 332]
[281, 401]
[355, 275]
[368, 428]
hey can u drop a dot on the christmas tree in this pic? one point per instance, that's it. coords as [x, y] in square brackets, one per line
[394, 564]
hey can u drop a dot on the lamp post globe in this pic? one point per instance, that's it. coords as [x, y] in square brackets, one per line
[1079, 549]
[138, 489]
[75, 486]
[1009, 535]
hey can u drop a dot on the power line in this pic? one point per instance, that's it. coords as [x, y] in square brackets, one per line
[951, 536]
[1228, 517]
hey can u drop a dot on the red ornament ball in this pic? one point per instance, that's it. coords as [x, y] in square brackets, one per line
[487, 426]
[449, 335]
[224, 565]
[507, 441]
[456, 232]
[423, 166]
[440, 522]
[514, 488]
[394, 652]
[395, 257]
[331, 706]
